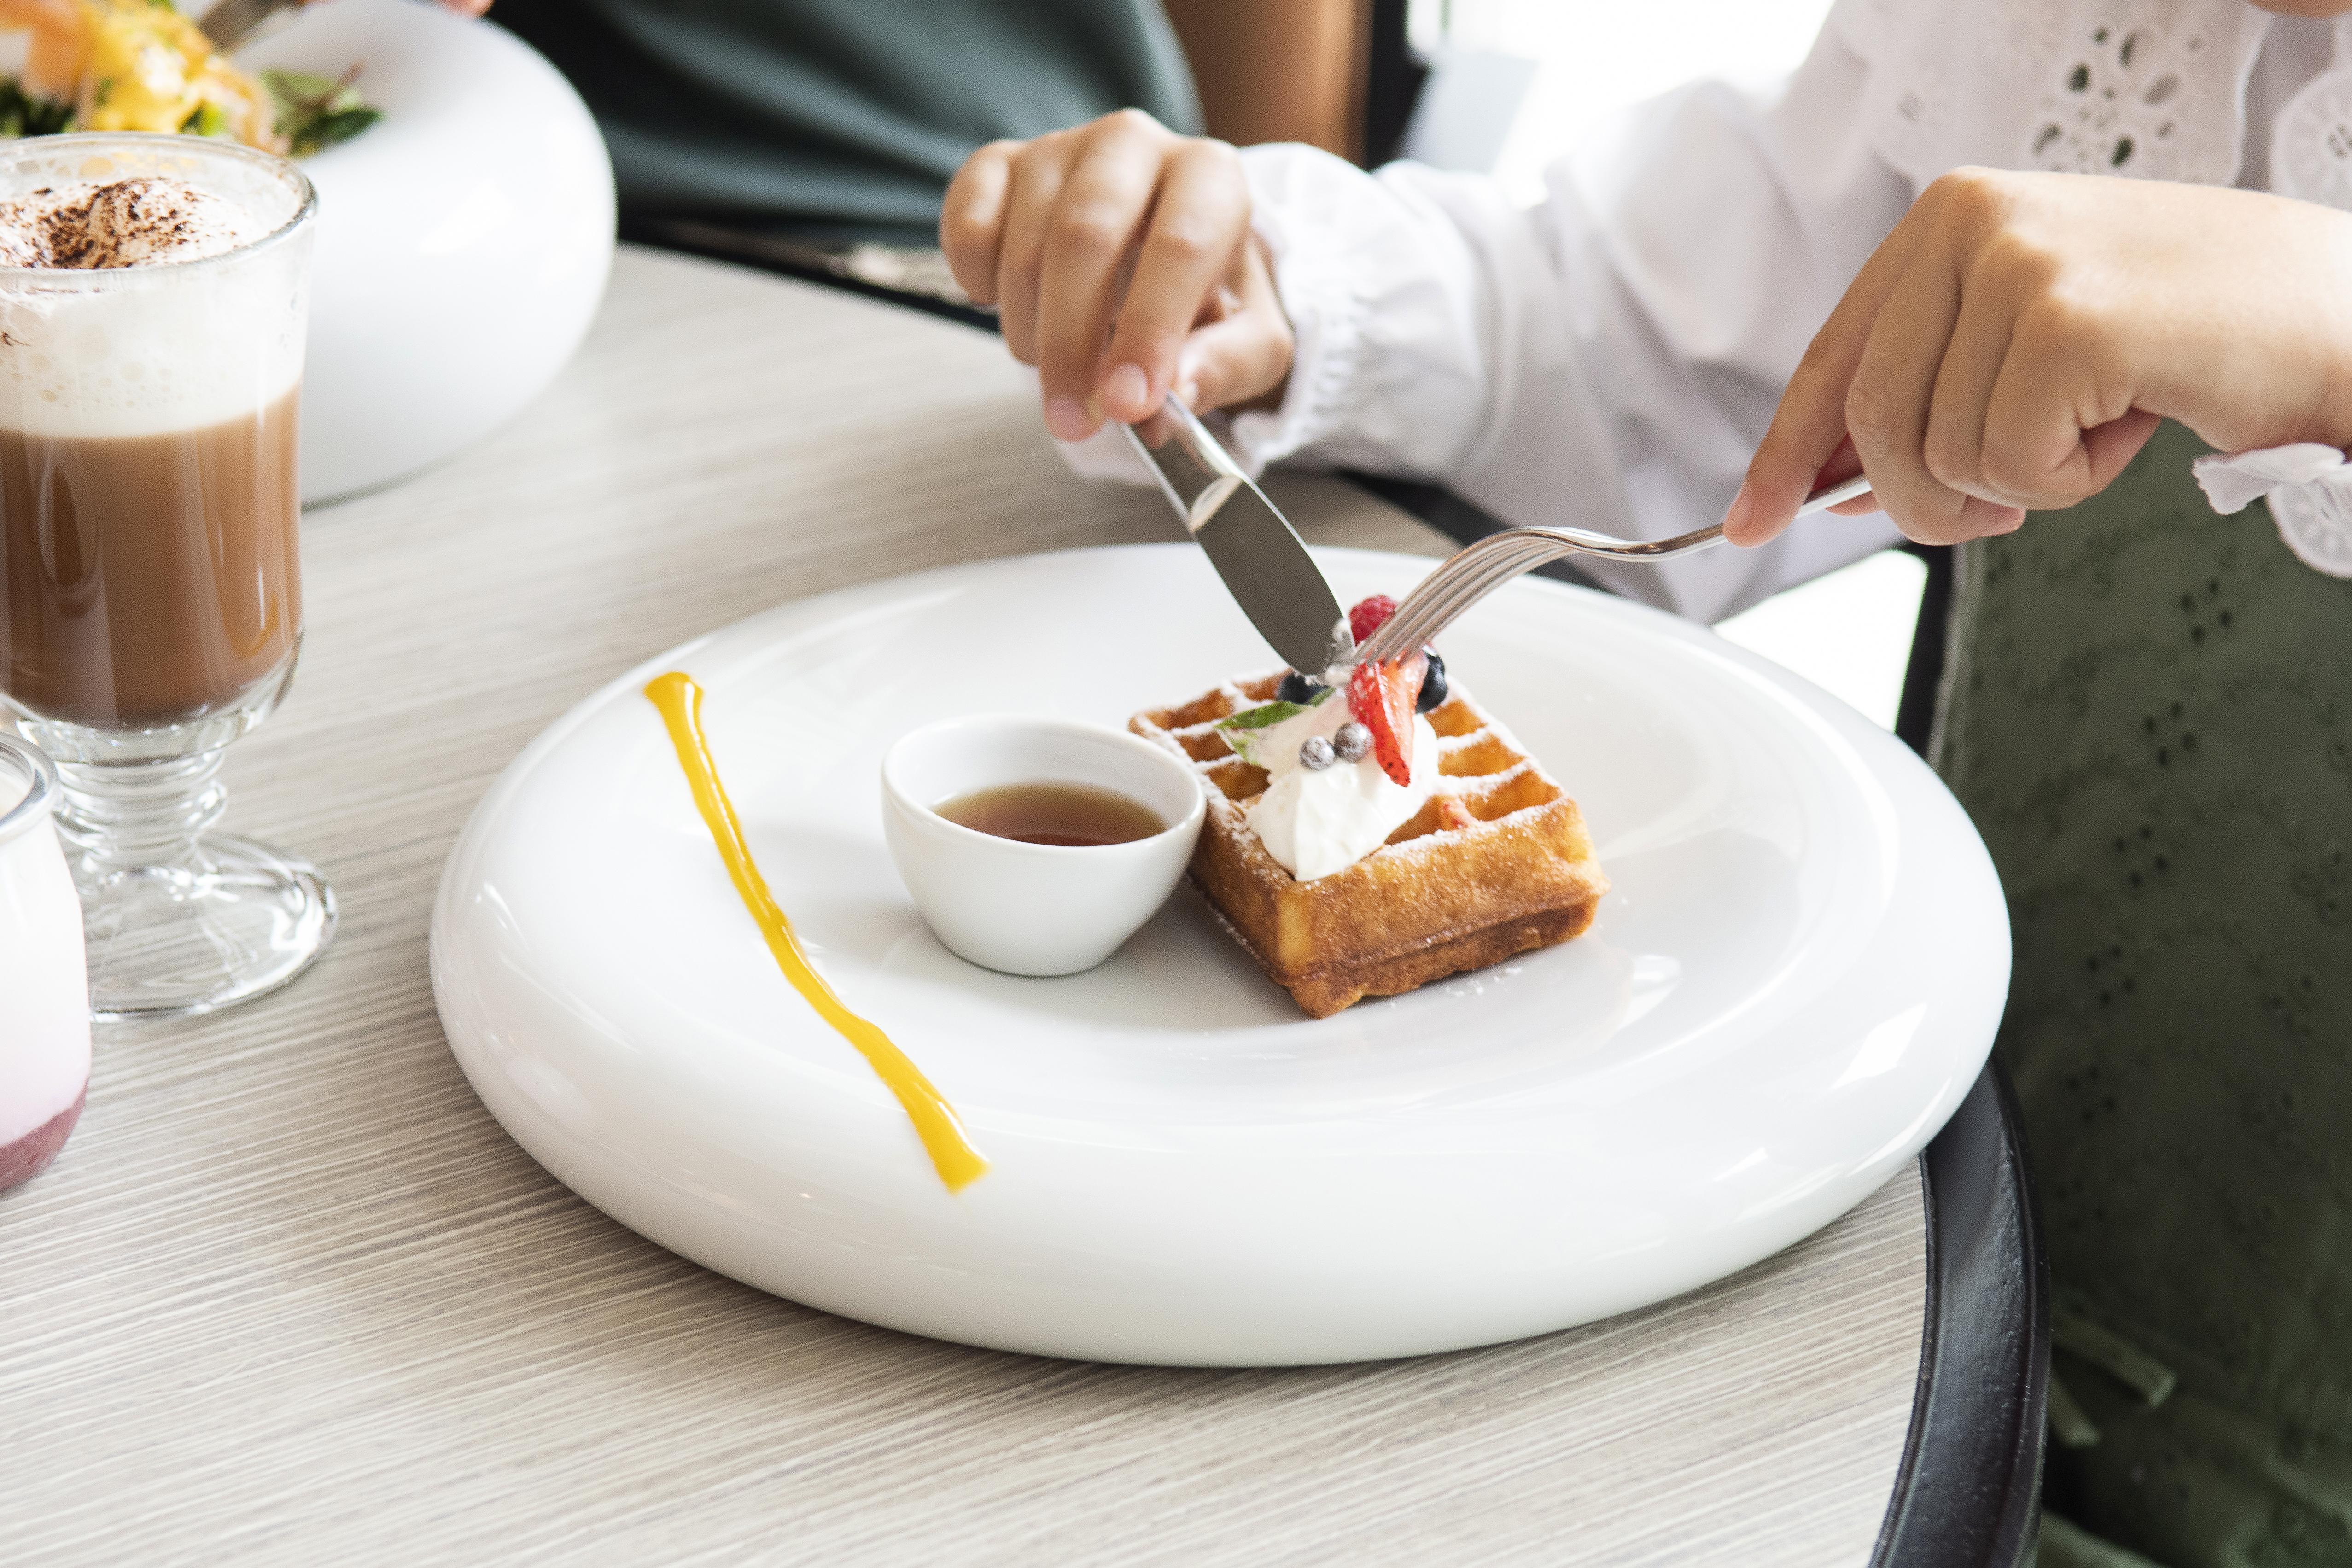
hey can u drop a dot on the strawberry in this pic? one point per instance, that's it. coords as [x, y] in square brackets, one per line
[1381, 697]
[1367, 617]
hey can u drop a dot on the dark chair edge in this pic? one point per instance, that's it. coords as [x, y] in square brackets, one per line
[1968, 1491]
[786, 258]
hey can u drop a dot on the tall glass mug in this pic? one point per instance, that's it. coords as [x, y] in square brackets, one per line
[150, 602]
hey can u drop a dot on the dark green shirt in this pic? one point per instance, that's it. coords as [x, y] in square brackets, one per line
[841, 118]
[2149, 713]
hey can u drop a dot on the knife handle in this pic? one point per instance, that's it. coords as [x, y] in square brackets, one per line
[1192, 468]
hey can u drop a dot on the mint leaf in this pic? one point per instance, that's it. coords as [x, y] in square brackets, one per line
[1268, 715]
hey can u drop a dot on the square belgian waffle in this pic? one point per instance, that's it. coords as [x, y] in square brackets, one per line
[1456, 888]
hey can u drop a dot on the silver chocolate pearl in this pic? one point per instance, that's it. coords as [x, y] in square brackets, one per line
[1315, 754]
[1352, 742]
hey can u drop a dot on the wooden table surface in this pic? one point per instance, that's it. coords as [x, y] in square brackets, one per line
[290, 1296]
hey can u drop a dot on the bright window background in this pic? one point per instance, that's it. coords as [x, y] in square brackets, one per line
[1849, 632]
[1595, 57]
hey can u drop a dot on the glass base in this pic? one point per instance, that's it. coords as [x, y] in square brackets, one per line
[230, 921]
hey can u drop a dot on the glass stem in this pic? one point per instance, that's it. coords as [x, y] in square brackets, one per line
[118, 816]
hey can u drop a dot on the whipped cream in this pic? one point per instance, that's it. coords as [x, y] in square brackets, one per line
[1315, 821]
[140, 222]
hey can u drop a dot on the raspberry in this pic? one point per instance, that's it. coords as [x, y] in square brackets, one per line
[1367, 617]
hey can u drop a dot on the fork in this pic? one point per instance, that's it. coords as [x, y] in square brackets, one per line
[1476, 571]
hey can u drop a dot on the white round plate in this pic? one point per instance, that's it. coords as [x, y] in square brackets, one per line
[1795, 981]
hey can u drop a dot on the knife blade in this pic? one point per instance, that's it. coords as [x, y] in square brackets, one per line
[1253, 548]
[227, 23]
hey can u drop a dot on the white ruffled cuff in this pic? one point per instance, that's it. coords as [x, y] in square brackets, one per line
[1322, 298]
[2309, 487]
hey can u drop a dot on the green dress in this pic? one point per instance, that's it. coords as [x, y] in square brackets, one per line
[2147, 711]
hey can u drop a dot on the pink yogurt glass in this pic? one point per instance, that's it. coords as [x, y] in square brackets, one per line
[44, 983]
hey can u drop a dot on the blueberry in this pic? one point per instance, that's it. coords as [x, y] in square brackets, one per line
[1316, 754]
[1296, 688]
[1351, 742]
[1433, 686]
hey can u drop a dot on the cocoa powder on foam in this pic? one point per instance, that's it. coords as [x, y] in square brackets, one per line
[140, 222]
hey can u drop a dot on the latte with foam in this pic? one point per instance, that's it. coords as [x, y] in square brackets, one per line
[148, 497]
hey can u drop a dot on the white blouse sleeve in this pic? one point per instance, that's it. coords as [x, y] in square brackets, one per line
[1607, 359]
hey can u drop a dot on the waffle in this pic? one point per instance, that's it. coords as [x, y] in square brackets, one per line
[1436, 899]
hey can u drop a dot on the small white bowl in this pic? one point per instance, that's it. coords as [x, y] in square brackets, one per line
[1033, 909]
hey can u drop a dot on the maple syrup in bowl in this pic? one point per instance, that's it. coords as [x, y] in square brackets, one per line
[1036, 846]
[1063, 816]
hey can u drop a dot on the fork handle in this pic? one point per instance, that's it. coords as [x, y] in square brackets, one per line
[1391, 640]
[1577, 539]
[1836, 495]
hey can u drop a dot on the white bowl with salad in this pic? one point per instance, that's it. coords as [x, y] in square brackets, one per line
[465, 198]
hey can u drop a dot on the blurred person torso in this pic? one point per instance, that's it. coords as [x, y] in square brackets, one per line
[841, 119]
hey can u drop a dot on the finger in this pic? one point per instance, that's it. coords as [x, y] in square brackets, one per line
[2060, 424]
[1239, 360]
[971, 218]
[1936, 342]
[1842, 464]
[1098, 223]
[1199, 225]
[1810, 422]
[2113, 444]
[1954, 444]
[1246, 360]
[1037, 186]
[1887, 407]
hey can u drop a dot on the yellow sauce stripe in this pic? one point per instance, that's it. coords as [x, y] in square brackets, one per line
[959, 1164]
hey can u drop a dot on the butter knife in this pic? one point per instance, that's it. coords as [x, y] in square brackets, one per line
[227, 23]
[1252, 545]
